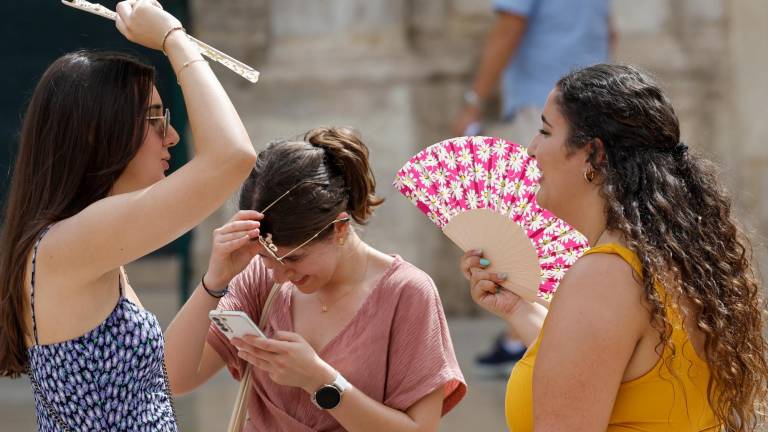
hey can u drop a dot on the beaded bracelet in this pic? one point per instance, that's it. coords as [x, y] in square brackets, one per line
[215, 294]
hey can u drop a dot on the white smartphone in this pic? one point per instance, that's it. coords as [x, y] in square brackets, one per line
[235, 324]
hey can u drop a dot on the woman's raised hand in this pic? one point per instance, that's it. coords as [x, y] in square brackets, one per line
[234, 246]
[144, 22]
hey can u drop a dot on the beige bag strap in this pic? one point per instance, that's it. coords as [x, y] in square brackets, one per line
[240, 410]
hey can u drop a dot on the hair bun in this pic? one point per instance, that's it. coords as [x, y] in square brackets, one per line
[347, 155]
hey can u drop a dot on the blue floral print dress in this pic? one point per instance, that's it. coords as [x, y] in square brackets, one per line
[112, 378]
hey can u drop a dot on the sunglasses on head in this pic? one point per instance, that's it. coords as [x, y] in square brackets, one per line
[269, 245]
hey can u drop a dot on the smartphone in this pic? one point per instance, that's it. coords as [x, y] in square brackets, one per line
[235, 324]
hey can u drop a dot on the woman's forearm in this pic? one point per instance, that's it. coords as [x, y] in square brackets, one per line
[500, 47]
[527, 320]
[218, 132]
[185, 339]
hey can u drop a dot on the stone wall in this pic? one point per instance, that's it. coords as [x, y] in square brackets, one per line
[395, 70]
[742, 136]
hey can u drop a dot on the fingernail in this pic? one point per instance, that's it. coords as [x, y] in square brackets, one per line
[502, 276]
[484, 262]
[477, 252]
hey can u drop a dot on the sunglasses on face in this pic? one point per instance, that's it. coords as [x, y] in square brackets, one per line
[271, 248]
[166, 117]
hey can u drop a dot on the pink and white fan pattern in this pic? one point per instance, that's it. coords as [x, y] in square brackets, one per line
[483, 172]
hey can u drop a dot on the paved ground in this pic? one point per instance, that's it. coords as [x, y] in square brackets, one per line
[208, 408]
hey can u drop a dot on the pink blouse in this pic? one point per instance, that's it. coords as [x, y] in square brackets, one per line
[396, 349]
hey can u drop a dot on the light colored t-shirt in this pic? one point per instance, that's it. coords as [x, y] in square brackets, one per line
[561, 35]
[396, 349]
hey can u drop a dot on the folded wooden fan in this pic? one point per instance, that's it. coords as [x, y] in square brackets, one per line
[481, 191]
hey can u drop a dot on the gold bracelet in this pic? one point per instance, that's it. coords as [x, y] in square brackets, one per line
[168, 33]
[187, 63]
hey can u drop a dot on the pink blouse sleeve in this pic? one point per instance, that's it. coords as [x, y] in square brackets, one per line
[421, 356]
[247, 292]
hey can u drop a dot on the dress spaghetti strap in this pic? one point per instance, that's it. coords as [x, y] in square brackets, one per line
[32, 281]
[120, 277]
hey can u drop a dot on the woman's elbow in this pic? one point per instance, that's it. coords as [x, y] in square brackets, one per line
[181, 386]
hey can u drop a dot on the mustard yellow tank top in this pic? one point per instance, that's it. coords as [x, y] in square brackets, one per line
[655, 401]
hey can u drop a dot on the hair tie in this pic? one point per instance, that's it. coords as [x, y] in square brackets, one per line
[679, 150]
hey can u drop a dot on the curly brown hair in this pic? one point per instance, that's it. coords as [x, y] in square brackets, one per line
[673, 213]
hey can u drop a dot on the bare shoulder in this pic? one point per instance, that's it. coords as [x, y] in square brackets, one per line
[403, 280]
[58, 255]
[606, 287]
[594, 324]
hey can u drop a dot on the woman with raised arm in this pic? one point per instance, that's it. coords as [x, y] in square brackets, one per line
[88, 195]
[358, 338]
[659, 326]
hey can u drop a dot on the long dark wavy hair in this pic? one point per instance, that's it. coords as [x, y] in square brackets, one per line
[668, 204]
[84, 124]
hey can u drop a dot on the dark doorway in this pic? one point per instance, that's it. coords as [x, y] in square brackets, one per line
[36, 32]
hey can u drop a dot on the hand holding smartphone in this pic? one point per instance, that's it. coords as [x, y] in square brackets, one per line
[235, 324]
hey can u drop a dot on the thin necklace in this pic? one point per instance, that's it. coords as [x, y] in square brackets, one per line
[324, 306]
[598, 237]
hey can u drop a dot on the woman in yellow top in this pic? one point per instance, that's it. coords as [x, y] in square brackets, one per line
[659, 326]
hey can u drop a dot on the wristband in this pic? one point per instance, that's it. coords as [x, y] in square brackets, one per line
[215, 294]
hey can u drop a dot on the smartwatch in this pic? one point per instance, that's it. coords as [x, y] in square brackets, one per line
[329, 395]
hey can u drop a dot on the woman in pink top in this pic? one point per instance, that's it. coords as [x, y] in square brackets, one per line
[358, 338]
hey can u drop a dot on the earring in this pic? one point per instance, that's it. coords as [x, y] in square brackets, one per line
[589, 175]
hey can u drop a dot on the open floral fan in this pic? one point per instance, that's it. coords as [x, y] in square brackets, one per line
[481, 191]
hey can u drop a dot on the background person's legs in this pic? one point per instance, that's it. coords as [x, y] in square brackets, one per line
[506, 350]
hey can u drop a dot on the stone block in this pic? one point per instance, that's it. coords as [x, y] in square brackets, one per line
[704, 10]
[472, 7]
[647, 16]
[302, 18]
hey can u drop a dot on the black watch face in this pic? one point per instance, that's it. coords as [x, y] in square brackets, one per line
[328, 397]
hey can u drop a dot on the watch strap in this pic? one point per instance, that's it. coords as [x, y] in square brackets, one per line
[341, 383]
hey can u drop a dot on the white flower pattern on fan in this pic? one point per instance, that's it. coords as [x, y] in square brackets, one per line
[484, 172]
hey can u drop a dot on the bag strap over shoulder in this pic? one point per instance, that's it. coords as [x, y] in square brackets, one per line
[268, 305]
[240, 410]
